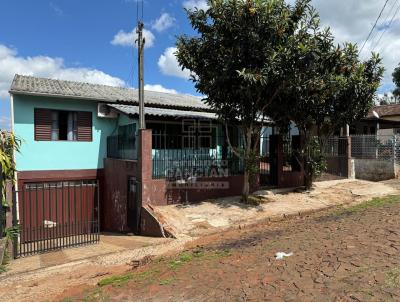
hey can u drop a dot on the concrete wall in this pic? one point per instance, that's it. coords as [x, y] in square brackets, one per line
[59, 155]
[374, 169]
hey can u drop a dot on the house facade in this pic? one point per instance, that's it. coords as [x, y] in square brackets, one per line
[381, 120]
[78, 133]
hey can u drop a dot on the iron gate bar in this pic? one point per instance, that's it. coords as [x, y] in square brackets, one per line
[62, 224]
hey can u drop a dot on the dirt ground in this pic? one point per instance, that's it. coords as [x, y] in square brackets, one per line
[338, 255]
[215, 215]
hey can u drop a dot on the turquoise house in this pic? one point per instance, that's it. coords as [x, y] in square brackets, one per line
[77, 133]
[85, 166]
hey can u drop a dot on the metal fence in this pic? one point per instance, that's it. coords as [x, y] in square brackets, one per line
[335, 151]
[265, 164]
[55, 215]
[380, 147]
[183, 156]
[122, 147]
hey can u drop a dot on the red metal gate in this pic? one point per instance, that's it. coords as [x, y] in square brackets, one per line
[55, 215]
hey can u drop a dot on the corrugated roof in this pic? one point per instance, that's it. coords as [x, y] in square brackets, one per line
[385, 111]
[131, 109]
[28, 85]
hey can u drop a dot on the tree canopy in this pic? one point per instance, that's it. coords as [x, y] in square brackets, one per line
[396, 81]
[254, 59]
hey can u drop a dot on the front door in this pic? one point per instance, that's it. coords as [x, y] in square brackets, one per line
[133, 210]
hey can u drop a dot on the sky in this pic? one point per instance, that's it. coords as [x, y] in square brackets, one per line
[93, 40]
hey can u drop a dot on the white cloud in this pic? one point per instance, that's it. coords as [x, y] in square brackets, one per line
[56, 9]
[164, 22]
[352, 20]
[168, 64]
[5, 123]
[159, 88]
[123, 38]
[192, 4]
[44, 66]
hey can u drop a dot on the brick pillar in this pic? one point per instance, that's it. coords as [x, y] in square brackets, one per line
[145, 166]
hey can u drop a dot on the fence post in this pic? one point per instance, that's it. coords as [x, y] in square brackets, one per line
[349, 165]
[394, 157]
[14, 223]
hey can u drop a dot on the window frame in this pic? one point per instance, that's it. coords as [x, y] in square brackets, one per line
[38, 115]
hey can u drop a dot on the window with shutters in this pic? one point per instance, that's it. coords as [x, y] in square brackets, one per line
[61, 125]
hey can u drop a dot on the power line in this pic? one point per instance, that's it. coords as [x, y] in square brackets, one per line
[373, 27]
[388, 25]
[377, 32]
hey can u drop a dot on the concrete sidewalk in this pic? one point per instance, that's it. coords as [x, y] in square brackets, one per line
[109, 244]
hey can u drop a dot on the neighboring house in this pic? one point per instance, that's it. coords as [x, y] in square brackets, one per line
[381, 120]
[75, 133]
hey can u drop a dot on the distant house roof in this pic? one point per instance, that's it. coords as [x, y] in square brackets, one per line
[28, 85]
[166, 112]
[384, 111]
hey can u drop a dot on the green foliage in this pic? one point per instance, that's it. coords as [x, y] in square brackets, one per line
[12, 232]
[374, 203]
[396, 81]
[240, 61]
[265, 58]
[9, 143]
[315, 160]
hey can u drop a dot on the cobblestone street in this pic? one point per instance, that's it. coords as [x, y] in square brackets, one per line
[338, 255]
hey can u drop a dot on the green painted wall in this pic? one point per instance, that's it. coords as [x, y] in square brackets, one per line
[59, 155]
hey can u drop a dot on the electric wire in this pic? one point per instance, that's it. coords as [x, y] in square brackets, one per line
[387, 26]
[373, 27]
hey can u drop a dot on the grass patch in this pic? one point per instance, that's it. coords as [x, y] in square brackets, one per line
[174, 264]
[167, 281]
[123, 279]
[181, 260]
[373, 203]
[96, 295]
[3, 268]
[393, 277]
[254, 200]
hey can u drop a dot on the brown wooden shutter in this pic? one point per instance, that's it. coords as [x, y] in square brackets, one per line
[84, 126]
[42, 121]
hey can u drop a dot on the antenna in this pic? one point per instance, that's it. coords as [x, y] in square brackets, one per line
[140, 43]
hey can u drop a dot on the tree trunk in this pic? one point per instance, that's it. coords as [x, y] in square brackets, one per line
[246, 186]
[308, 177]
[308, 173]
[246, 175]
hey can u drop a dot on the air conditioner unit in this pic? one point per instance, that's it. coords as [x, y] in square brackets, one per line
[105, 111]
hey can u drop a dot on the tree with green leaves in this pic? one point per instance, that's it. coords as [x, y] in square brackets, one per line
[396, 81]
[8, 145]
[254, 59]
[240, 61]
[331, 87]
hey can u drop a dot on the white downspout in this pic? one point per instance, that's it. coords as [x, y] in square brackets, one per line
[12, 130]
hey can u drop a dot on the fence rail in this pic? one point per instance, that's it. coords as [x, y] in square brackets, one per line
[381, 147]
[122, 147]
[56, 215]
[202, 155]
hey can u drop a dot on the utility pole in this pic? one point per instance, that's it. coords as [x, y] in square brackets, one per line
[141, 41]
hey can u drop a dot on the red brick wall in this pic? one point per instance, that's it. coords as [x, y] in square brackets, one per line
[160, 192]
